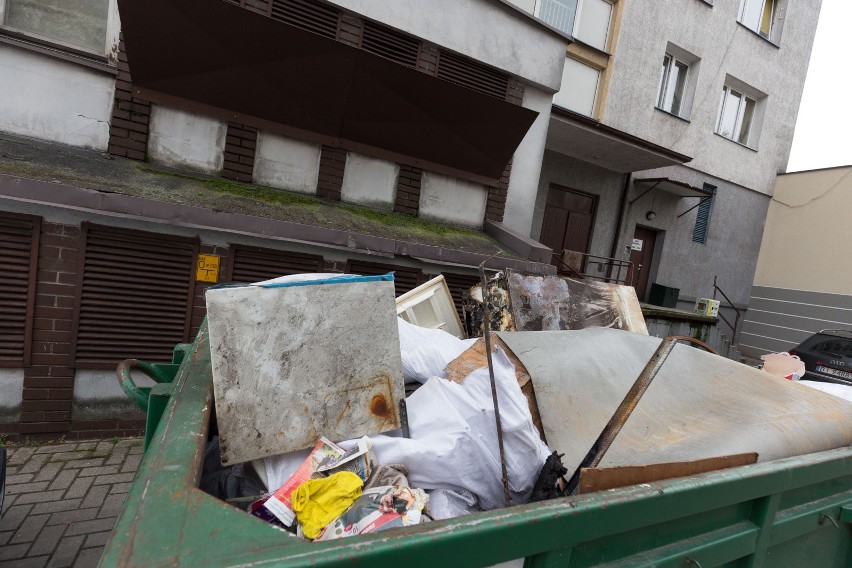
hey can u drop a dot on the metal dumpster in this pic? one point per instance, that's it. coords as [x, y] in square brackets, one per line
[786, 513]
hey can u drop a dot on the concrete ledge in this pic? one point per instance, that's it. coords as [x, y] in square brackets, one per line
[528, 248]
[169, 213]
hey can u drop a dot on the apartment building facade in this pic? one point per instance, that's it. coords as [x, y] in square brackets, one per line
[711, 87]
[139, 168]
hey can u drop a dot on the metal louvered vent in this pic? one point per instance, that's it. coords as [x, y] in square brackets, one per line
[390, 44]
[458, 285]
[472, 75]
[405, 278]
[307, 15]
[135, 295]
[19, 235]
[252, 264]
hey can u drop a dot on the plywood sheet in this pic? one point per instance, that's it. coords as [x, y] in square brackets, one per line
[292, 364]
[699, 406]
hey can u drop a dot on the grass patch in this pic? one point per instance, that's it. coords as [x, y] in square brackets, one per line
[400, 220]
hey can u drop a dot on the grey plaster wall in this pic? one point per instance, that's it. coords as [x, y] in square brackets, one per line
[732, 244]
[575, 174]
[725, 47]
[11, 394]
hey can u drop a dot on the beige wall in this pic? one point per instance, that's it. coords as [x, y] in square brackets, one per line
[808, 233]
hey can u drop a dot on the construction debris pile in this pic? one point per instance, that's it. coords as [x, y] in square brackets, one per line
[314, 432]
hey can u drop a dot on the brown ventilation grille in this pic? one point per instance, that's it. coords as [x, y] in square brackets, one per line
[390, 44]
[19, 235]
[405, 278]
[458, 285]
[307, 15]
[135, 295]
[473, 75]
[252, 264]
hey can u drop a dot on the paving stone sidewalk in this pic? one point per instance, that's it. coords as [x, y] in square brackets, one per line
[62, 501]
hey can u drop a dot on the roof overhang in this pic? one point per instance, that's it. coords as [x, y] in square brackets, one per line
[218, 59]
[668, 185]
[586, 139]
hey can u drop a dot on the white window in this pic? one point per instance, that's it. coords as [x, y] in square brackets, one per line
[672, 85]
[586, 20]
[762, 16]
[579, 87]
[736, 116]
[83, 25]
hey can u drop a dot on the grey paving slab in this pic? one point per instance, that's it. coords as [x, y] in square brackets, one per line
[62, 501]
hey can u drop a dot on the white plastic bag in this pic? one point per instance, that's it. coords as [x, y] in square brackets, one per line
[425, 352]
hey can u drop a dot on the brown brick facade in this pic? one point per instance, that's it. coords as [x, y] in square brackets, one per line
[408, 190]
[199, 305]
[128, 130]
[240, 147]
[332, 164]
[496, 204]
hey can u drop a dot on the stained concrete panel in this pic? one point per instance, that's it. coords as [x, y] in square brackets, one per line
[285, 163]
[98, 396]
[11, 392]
[452, 200]
[184, 140]
[368, 181]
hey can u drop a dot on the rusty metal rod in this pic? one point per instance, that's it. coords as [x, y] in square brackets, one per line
[486, 332]
[623, 412]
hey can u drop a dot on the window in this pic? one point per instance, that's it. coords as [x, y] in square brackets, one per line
[78, 24]
[762, 16]
[678, 77]
[585, 20]
[702, 220]
[672, 85]
[579, 87]
[736, 115]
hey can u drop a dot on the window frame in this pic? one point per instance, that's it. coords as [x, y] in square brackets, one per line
[773, 32]
[736, 134]
[664, 84]
[578, 16]
[110, 36]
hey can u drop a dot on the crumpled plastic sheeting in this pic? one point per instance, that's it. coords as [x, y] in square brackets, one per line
[425, 352]
[448, 504]
[453, 442]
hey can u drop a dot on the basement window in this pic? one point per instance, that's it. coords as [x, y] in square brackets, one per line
[81, 25]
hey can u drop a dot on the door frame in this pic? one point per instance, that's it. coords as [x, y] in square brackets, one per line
[595, 202]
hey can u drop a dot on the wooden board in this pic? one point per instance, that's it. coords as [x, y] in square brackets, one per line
[598, 479]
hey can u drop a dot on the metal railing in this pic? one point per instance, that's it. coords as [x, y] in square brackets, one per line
[737, 312]
[611, 270]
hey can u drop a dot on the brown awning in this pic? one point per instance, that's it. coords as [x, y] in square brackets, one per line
[218, 59]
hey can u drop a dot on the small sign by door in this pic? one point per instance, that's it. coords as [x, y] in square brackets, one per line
[637, 245]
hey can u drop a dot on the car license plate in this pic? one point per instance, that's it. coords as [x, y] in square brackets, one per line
[834, 372]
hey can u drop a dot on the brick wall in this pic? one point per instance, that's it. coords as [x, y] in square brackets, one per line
[496, 204]
[408, 190]
[49, 380]
[240, 146]
[350, 30]
[332, 164]
[128, 129]
[427, 59]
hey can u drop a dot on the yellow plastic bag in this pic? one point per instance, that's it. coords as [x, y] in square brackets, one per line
[317, 502]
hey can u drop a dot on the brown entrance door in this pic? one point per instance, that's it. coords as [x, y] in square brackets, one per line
[645, 239]
[568, 219]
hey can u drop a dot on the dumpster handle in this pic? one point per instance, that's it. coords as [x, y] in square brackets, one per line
[138, 395]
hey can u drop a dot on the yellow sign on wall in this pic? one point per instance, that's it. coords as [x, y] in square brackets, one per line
[208, 268]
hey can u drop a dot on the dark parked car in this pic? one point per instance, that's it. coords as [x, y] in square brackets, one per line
[827, 356]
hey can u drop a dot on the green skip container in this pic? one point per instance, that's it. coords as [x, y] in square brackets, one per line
[795, 512]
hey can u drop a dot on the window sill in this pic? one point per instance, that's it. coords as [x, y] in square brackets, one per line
[754, 33]
[740, 144]
[90, 61]
[686, 120]
[708, 2]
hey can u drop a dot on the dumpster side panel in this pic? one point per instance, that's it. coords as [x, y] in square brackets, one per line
[781, 513]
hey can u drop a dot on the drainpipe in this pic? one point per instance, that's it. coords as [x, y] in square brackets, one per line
[622, 207]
